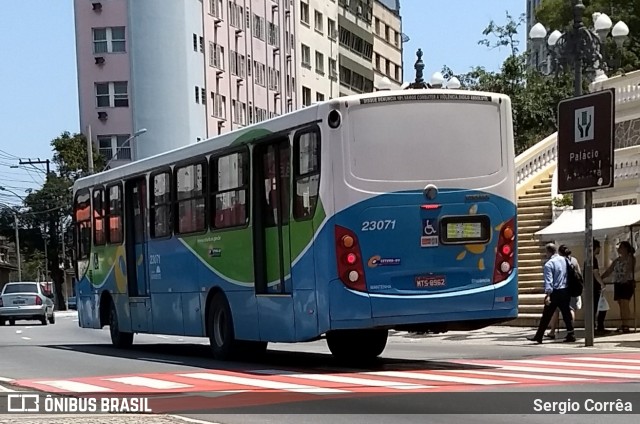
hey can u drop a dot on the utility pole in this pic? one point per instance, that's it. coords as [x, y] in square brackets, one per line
[15, 220]
[89, 151]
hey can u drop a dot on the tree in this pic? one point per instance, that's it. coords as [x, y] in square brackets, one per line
[534, 96]
[558, 14]
[50, 207]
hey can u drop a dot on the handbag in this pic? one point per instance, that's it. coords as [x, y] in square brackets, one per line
[603, 305]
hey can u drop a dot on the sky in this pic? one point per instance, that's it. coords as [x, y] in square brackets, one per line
[38, 68]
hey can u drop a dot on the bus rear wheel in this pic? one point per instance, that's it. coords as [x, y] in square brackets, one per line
[221, 334]
[119, 338]
[357, 344]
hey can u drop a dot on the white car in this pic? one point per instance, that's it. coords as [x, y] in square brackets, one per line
[26, 300]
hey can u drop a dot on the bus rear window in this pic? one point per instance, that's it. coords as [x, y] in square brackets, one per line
[425, 141]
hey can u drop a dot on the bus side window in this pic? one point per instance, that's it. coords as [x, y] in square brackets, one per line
[190, 198]
[161, 205]
[307, 173]
[114, 214]
[230, 179]
[82, 218]
[99, 238]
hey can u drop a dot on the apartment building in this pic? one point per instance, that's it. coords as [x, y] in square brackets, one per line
[387, 44]
[193, 69]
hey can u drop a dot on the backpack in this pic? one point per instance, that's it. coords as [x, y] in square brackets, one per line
[575, 282]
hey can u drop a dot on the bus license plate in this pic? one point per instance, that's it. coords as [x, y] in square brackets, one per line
[19, 302]
[430, 281]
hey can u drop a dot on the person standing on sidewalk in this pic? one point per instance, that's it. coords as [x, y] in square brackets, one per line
[598, 287]
[557, 294]
[624, 287]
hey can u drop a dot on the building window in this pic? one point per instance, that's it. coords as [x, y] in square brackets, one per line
[396, 37]
[333, 72]
[356, 44]
[319, 97]
[319, 21]
[331, 29]
[259, 71]
[114, 214]
[377, 26]
[239, 112]
[304, 13]
[387, 69]
[274, 79]
[306, 56]
[215, 8]
[274, 35]
[237, 64]
[236, 15]
[190, 198]
[319, 63]
[112, 94]
[109, 40]
[113, 147]
[216, 56]
[203, 96]
[197, 94]
[306, 96]
[219, 105]
[230, 179]
[195, 43]
[160, 214]
[398, 77]
[258, 27]
[377, 61]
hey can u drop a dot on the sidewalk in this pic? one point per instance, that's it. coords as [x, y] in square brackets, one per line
[517, 336]
[97, 419]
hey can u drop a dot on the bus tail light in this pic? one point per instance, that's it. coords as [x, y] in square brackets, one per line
[505, 252]
[349, 258]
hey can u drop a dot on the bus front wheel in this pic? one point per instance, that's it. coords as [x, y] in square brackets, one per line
[119, 338]
[357, 344]
[221, 334]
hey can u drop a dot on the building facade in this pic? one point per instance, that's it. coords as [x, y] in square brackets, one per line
[193, 69]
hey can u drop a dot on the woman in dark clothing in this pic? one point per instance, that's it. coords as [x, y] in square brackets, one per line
[624, 287]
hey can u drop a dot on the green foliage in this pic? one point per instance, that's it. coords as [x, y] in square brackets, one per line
[558, 14]
[71, 156]
[534, 96]
[564, 200]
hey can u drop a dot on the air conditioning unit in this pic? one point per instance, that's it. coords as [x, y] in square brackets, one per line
[359, 10]
[99, 60]
[97, 6]
[102, 116]
[219, 73]
[238, 32]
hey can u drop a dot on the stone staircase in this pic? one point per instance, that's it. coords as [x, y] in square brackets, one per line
[534, 214]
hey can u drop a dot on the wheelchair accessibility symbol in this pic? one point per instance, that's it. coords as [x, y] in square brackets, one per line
[429, 237]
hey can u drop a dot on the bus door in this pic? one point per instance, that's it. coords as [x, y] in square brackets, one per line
[272, 257]
[136, 251]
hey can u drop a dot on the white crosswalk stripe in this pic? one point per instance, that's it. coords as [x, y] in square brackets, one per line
[579, 365]
[437, 377]
[567, 371]
[151, 383]
[526, 376]
[366, 382]
[264, 384]
[609, 360]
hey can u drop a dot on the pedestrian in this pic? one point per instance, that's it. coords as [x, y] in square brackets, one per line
[598, 290]
[556, 294]
[623, 268]
[576, 301]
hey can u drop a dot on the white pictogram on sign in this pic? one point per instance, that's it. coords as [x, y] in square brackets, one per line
[583, 124]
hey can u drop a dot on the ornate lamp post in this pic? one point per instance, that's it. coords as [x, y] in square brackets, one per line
[437, 80]
[581, 47]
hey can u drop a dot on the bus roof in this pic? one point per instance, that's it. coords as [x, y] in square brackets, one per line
[274, 125]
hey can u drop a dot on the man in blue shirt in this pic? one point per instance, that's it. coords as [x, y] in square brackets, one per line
[556, 294]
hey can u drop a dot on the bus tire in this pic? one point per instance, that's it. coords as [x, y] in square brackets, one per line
[119, 339]
[357, 344]
[221, 334]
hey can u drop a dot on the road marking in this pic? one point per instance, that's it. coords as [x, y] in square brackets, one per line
[589, 358]
[6, 389]
[526, 376]
[265, 384]
[347, 380]
[580, 365]
[26, 338]
[436, 377]
[161, 336]
[151, 383]
[557, 371]
[160, 360]
[18, 331]
[74, 386]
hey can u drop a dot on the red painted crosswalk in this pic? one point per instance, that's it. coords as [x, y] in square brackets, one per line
[259, 384]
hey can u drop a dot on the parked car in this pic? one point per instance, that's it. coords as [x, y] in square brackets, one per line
[26, 300]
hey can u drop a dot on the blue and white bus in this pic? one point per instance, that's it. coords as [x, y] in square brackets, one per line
[388, 210]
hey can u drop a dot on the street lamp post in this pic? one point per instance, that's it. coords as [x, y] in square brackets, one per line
[437, 80]
[136, 134]
[581, 47]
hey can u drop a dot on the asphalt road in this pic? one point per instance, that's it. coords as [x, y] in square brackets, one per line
[65, 351]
